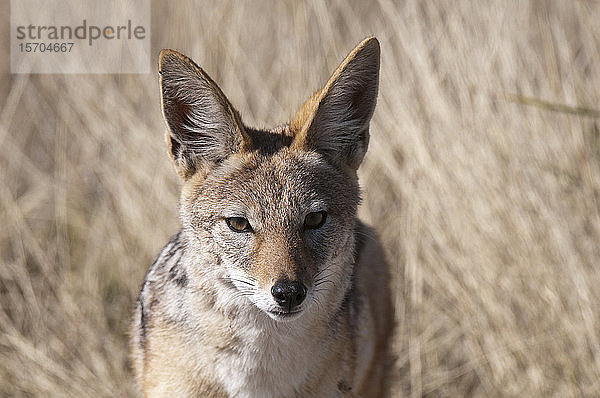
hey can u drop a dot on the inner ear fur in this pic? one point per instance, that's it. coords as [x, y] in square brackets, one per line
[335, 120]
[203, 128]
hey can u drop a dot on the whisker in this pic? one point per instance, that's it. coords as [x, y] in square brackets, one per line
[320, 282]
[242, 281]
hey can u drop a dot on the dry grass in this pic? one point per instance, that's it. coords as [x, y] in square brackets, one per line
[483, 179]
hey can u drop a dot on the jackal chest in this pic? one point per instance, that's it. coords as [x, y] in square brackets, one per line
[263, 362]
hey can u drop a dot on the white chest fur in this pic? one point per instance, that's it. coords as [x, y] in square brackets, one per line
[269, 360]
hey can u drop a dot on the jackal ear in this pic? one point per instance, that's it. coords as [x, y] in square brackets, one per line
[203, 128]
[335, 120]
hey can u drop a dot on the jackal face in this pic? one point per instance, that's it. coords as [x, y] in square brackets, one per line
[276, 209]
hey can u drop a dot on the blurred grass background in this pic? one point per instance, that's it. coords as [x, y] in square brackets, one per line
[482, 178]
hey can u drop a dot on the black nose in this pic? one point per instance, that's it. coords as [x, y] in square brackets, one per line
[288, 294]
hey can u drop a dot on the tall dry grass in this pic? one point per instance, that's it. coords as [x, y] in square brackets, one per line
[483, 179]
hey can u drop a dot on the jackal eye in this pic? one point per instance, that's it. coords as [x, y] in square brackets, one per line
[315, 219]
[238, 224]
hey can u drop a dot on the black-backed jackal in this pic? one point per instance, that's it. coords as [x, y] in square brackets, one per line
[273, 287]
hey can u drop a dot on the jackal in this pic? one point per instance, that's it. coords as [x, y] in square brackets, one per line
[273, 287]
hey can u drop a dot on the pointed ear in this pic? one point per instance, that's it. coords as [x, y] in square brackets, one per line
[203, 128]
[335, 120]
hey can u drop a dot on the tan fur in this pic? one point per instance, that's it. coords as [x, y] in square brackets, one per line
[209, 322]
[304, 116]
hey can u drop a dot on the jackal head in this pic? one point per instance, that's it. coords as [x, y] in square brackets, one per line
[274, 210]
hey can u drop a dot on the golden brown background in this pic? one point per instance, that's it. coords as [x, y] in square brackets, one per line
[482, 178]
